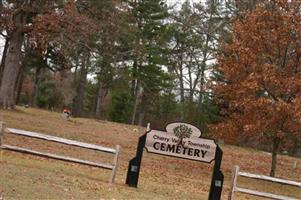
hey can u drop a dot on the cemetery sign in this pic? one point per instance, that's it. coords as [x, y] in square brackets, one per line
[183, 142]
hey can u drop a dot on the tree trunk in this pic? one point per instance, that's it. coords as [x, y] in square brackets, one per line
[276, 144]
[2, 65]
[142, 109]
[77, 63]
[11, 71]
[36, 87]
[102, 93]
[202, 85]
[19, 86]
[105, 81]
[12, 63]
[141, 116]
[191, 89]
[203, 68]
[133, 82]
[182, 94]
[78, 101]
[136, 102]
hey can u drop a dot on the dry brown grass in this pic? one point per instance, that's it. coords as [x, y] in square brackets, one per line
[30, 177]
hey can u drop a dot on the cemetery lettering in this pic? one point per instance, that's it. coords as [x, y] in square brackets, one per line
[179, 149]
[193, 148]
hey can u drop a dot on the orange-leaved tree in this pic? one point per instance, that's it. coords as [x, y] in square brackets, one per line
[260, 89]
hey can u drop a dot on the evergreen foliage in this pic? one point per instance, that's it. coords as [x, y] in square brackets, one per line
[120, 107]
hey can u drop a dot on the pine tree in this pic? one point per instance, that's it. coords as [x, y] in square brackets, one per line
[149, 43]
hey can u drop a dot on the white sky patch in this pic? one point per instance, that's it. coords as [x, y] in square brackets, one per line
[2, 43]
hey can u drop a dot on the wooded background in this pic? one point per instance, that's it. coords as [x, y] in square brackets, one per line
[230, 67]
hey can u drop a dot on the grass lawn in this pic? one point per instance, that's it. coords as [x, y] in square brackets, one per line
[30, 177]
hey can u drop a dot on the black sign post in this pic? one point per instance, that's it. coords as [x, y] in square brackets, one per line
[134, 164]
[217, 176]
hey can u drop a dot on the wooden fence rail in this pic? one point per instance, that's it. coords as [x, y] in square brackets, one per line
[234, 187]
[112, 167]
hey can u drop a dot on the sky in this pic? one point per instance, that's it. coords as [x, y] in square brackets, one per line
[2, 42]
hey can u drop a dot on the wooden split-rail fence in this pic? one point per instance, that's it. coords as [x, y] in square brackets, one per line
[41, 136]
[235, 188]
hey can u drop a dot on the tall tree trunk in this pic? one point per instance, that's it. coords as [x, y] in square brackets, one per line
[78, 101]
[35, 92]
[134, 92]
[19, 85]
[204, 66]
[276, 145]
[181, 82]
[133, 82]
[2, 65]
[12, 62]
[101, 95]
[190, 72]
[142, 109]
[202, 86]
[65, 87]
[105, 80]
[141, 116]
[182, 94]
[136, 102]
[77, 63]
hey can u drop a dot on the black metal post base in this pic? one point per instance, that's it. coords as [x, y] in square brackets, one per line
[217, 177]
[134, 164]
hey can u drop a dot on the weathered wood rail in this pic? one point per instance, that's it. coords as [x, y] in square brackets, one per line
[234, 187]
[41, 136]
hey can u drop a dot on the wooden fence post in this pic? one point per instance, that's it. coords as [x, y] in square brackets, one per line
[115, 163]
[233, 182]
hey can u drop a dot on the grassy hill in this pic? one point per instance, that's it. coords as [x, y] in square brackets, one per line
[30, 177]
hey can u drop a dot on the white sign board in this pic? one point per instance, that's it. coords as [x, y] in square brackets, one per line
[182, 141]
